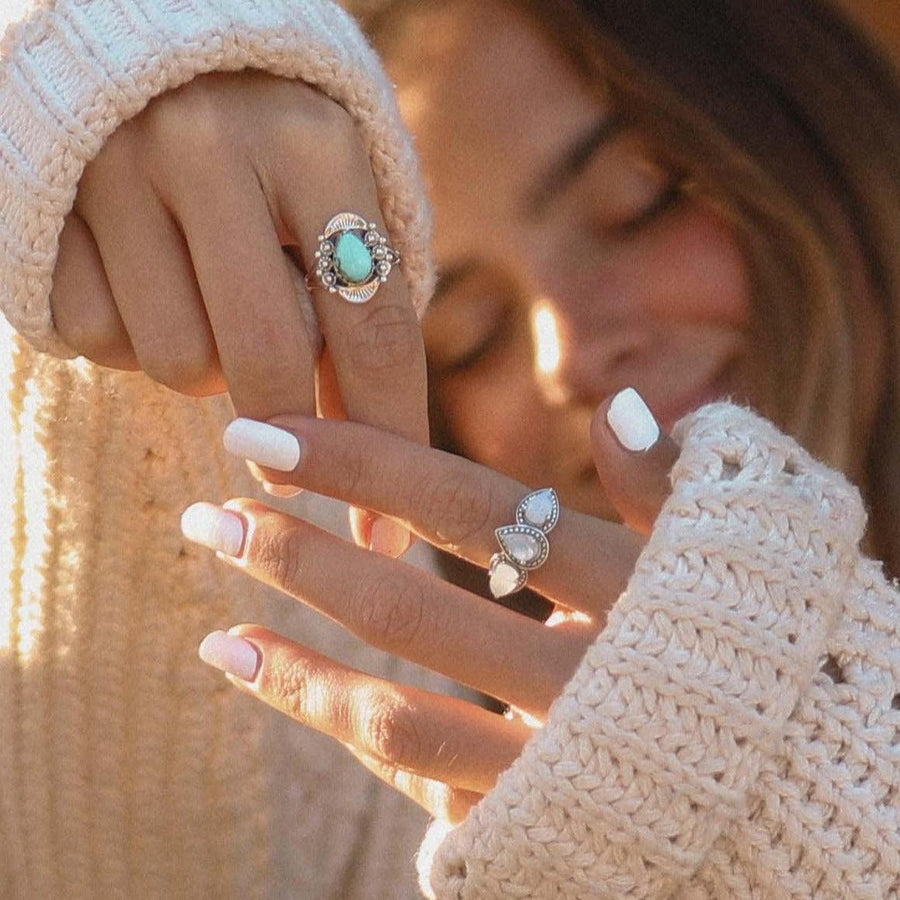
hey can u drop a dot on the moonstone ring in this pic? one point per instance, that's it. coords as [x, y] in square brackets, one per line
[353, 259]
[523, 546]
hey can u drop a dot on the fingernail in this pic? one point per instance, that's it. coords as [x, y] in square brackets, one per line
[262, 443]
[631, 421]
[211, 526]
[281, 490]
[388, 537]
[230, 653]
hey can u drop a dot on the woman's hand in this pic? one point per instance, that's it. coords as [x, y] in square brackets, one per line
[442, 751]
[172, 259]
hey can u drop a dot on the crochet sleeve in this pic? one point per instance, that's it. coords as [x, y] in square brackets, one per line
[663, 767]
[73, 70]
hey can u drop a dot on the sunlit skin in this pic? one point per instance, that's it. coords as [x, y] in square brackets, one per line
[638, 286]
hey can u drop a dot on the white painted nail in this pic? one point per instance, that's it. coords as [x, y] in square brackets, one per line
[281, 490]
[230, 653]
[631, 421]
[213, 527]
[263, 444]
[389, 537]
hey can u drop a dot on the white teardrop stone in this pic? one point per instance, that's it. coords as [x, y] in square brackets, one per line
[504, 579]
[523, 548]
[539, 509]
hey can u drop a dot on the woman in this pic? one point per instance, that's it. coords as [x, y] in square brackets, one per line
[654, 270]
[616, 237]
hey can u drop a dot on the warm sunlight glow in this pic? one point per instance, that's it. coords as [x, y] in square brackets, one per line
[413, 99]
[7, 488]
[23, 549]
[546, 340]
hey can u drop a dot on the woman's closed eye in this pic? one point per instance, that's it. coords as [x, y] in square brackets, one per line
[461, 330]
[623, 189]
[666, 199]
[468, 324]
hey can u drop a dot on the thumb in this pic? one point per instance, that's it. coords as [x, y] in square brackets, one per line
[633, 458]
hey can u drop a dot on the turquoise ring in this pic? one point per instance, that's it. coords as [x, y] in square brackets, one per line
[353, 259]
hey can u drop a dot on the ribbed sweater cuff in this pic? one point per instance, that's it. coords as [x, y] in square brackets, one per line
[71, 74]
[654, 745]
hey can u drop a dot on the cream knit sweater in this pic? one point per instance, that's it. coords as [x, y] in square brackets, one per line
[699, 751]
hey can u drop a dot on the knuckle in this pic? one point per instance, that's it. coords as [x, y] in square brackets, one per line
[461, 506]
[114, 162]
[280, 554]
[187, 126]
[389, 612]
[313, 124]
[115, 171]
[350, 467]
[385, 341]
[331, 120]
[316, 113]
[289, 687]
[185, 371]
[81, 301]
[95, 344]
[393, 733]
[85, 327]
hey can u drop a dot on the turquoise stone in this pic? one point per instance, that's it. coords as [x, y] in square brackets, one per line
[353, 259]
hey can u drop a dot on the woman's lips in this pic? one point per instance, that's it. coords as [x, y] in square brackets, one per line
[716, 388]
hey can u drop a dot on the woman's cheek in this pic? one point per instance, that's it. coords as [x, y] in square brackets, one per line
[694, 269]
[497, 419]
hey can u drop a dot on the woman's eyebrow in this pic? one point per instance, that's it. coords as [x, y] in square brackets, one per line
[571, 163]
[554, 180]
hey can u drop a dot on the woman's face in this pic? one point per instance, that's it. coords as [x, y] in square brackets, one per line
[570, 264]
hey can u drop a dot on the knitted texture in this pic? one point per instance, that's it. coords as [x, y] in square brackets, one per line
[699, 750]
[74, 71]
[105, 773]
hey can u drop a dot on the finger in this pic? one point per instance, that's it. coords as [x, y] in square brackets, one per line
[395, 607]
[633, 458]
[405, 728]
[362, 522]
[82, 303]
[249, 293]
[376, 347]
[329, 403]
[151, 276]
[443, 802]
[449, 501]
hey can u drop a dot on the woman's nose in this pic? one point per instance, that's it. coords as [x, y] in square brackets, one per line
[580, 355]
[592, 316]
[583, 317]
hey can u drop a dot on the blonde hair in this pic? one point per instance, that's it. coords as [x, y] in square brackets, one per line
[771, 107]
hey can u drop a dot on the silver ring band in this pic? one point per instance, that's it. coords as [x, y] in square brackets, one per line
[353, 258]
[523, 546]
